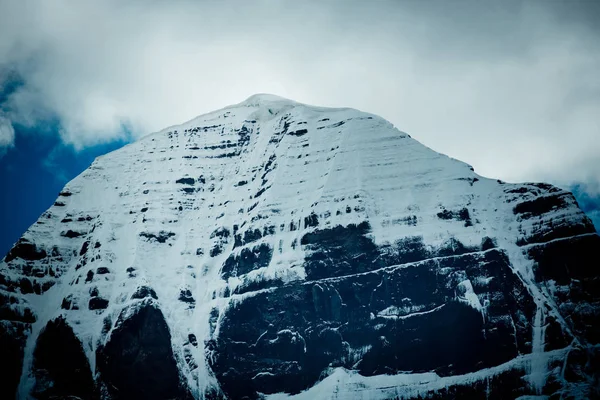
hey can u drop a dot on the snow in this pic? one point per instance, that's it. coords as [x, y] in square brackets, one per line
[393, 312]
[468, 296]
[539, 363]
[347, 160]
[348, 384]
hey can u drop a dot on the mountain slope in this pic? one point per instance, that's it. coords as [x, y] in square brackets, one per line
[282, 250]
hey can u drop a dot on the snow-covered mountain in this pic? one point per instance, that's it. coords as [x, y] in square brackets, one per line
[278, 250]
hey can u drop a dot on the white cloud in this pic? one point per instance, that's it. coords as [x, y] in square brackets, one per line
[512, 89]
[7, 135]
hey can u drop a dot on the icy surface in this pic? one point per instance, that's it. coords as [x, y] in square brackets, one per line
[341, 383]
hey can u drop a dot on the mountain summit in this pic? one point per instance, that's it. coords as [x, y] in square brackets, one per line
[277, 250]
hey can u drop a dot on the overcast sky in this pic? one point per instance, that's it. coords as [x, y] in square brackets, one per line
[512, 88]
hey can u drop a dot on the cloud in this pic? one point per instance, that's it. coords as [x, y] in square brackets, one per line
[510, 87]
[7, 135]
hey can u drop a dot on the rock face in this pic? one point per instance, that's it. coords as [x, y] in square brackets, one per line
[282, 251]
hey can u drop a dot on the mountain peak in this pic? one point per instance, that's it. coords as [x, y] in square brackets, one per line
[262, 98]
[280, 250]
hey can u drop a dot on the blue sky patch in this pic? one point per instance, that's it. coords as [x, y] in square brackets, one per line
[32, 174]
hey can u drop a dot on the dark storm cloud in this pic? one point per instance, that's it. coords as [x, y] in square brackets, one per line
[511, 87]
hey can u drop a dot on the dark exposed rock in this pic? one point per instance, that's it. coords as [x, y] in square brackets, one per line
[487, 243]
[460, 215]
[581, 364]
[15, 315]
[98, 303]
[12, 344]
[299, 132]
[84, 247]
[248, 260]
[67, 302]
[216, 250]
[410, 220]
[331, 319]
[251, 235]
[221, 232]
[185, 295]
[555, 337]
[540, 205]
[445, 214]
[102, 270]
[106, 325]
[406, 250]
[25, 250]
[71, 234]
[186, 181]
[160, 237]
[572, 263]
[252, 207]
[340, 251]
[311, 221]
[260, 192]
[269, 230]
[60, 366]
[26, 286]
[457, 351]
[237, 241]
[137, 362]
[339, 306]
